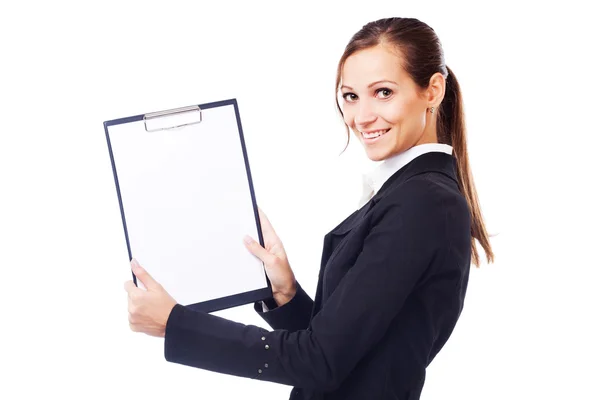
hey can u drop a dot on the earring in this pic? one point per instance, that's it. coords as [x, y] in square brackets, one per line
[431, 109]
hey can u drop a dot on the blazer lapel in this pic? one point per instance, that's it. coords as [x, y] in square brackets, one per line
[428, 162]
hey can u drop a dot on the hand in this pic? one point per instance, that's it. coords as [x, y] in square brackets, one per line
[148, 309]
[276, 263]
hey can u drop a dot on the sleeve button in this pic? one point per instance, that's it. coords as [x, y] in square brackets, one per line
[263, 338]
[266, 365]
[267, 346]
[260, 371]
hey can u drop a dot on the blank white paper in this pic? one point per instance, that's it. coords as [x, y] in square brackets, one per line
[187, 204]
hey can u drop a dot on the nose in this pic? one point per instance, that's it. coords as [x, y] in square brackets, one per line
[364, 115]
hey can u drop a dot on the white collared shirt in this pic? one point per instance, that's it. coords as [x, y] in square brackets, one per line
[374, 179]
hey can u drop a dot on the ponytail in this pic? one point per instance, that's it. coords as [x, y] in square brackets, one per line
[451, 130]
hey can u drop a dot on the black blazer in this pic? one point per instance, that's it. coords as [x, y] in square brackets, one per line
[391, 287]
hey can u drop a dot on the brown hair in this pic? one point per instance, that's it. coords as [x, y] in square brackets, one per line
[423, 56]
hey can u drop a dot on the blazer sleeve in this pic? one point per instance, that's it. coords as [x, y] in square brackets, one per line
[292, 316]
[396, 254]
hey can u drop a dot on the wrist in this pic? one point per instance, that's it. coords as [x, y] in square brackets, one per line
[284, 296]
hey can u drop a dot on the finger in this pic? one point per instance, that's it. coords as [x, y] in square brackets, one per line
[132, 308]
[264, 221]
[259, 251]
[143, 275]
[129, 286]
[134, 294]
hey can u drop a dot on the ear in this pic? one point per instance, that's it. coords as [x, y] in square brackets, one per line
[436, 90]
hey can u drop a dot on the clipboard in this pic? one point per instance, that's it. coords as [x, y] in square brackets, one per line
[187, 200]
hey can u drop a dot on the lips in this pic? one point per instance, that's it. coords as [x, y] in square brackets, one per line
[372, 136]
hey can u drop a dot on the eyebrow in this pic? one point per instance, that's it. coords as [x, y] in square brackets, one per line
[371, 85]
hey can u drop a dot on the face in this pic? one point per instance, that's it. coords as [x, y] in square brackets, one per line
[383, 106]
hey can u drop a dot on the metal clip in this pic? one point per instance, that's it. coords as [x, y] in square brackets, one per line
[171, 119]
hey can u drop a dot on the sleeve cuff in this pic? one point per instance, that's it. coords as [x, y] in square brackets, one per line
[206, 341]
[293, 315]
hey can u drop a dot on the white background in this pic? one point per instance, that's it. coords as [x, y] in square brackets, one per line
[529, 73]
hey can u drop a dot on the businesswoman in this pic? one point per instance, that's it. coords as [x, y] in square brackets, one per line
[393, 275]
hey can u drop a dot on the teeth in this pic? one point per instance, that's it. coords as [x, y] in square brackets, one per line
[374, 134]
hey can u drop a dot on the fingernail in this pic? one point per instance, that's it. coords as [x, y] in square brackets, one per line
[134, 263]
[248, 239]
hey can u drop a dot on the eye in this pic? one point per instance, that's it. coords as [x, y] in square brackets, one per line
[385, 91]
[350, 97]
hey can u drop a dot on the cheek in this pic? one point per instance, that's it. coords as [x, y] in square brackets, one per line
[393, 113]
[402, 113]
[349, 119]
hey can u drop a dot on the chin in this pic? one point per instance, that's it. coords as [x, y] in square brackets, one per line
[377, 155]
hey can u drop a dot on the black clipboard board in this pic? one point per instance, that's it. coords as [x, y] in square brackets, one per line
[186, 197]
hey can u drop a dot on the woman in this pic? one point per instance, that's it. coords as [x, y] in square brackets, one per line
[394, 273]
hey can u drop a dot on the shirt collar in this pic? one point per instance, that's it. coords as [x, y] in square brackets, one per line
[377, 176]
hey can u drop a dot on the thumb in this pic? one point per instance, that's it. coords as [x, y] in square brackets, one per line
[259, 251]
[143, 275]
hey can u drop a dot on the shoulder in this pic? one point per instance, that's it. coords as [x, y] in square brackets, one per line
[429, 190]
[423, 203]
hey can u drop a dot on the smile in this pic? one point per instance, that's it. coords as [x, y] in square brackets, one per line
[372, 136]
